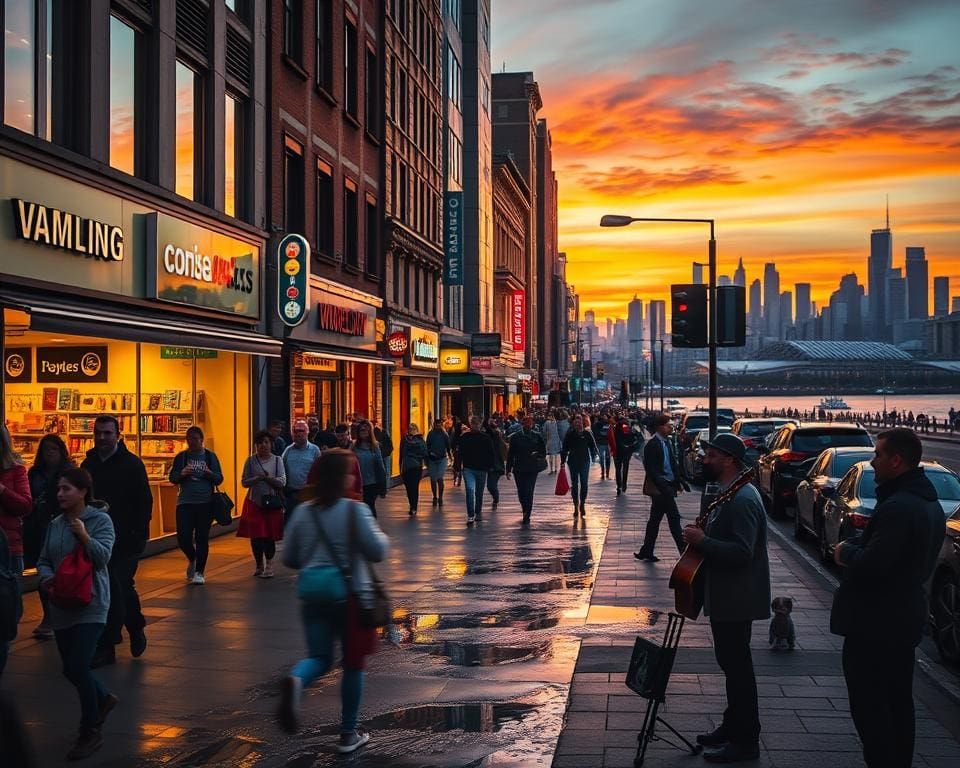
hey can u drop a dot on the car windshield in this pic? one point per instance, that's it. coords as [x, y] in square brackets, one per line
[754, 428]
[696, 422]
[818, 440]
[843, 461]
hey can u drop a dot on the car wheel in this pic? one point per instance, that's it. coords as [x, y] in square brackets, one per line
[946, 619]
[826, 556]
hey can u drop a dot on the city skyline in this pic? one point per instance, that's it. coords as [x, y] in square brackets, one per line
[789, 139]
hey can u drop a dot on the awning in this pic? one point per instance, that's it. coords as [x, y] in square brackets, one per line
[350, 356]
[64, 316]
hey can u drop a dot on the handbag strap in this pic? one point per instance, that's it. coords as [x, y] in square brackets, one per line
[206, 456]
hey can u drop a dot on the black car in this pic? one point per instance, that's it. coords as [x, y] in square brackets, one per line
[781, 468]
[945, 594]
[825, 472]
[754, 431]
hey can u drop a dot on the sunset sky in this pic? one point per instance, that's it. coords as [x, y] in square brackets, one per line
[787, 122]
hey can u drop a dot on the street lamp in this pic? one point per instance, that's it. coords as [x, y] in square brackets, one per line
[611, 220]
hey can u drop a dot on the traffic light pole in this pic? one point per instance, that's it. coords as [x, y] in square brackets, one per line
[712, 381]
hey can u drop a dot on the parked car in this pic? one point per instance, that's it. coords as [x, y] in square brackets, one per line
[693, 422]
[779, 470]
[945, 594]
[847, 513]
[753, 433]
[692, 459]
[824, 473]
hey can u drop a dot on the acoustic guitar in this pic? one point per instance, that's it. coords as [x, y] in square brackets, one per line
[687, 577]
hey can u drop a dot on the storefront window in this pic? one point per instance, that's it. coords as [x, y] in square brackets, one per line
[122, 95]
[19, 64]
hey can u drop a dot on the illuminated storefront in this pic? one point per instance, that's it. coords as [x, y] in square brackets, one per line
[413, 383]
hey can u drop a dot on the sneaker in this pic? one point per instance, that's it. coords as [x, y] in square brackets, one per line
[576, 510]
[191, 570]
[198, 578]
[495, 504]
[267, 572]
[647, 557]
[258, 573]
[288, 711]
[413, 512]
[106, 706]
[435, 500]
[138, 638]
[43, 632]
[619, 491]
[471, 520]
[88, 742]
[352, 741]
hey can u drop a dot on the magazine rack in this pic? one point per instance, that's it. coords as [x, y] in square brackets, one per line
[648, 676]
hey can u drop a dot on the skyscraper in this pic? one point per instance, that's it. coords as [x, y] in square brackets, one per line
[941, 296]
[724, 280]
[918, 297]
[740, 275]
[802, 293]
[895, 297]
[634, 319]
[881, 260]
[698, 273]
[755, 317]
[845, 311]
[658, 322]
[786, 312]
[771, 300]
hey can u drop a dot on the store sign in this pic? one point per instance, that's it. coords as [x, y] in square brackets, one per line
[454, 360]
[17, 365]
[424, 348]
[187, 353]
[486, 344]
[201, 268]
[68, 231]
[398, 343]
[453, 238]
[71, 365]
[518, 320]
[481, 363]
[310, 361]
[349, 322]
[293, 279]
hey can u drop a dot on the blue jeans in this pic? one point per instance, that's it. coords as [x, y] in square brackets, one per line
[604, 450]
[579, 476]
[474, 481]
[320, 626]
[76, 645]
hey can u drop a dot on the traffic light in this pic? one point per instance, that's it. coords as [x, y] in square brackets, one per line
[731, 316]
[689, 318]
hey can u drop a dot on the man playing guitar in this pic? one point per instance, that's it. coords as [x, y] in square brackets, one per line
[733, 543]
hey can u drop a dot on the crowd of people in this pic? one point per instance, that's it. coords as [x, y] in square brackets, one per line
[948, 423]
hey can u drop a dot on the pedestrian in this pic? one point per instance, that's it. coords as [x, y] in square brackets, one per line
[326, 438]
[262, 518]
[479, 457]
[881, 606]
[331, 530]
[734, 547]
[84, 523]
[16, 503]
[385, 443]
[372, 472]
[413, 457]
[456, 430]
[276, 433]
[297, 457]
[551, 439]
[601, 428]
[313, 429]
[438, 449]
[526, 458]
[578, 452]
[493, 431]
[197, 471]
[120, 481]
[623, 441]
[662, 483]
[51, 460]
[563, 424]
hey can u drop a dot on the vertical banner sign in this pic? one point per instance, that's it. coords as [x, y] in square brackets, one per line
[453, 238]
[518, 320]
[293, 279]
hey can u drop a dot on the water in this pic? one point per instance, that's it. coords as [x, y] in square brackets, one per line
[932, 405]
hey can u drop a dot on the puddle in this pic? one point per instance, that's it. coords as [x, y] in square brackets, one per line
[413, 626]
[579, 559]
[479, 655]
[234, 751]
[472, 718]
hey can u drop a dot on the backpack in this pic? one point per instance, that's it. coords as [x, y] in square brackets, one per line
[11, 602]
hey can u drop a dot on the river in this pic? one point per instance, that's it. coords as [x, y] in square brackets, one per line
[932, 405]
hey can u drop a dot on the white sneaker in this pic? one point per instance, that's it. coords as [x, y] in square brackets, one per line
[352, 741]
[191, 570]
[198, 579]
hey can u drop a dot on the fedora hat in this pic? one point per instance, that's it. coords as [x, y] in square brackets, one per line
[729, 444]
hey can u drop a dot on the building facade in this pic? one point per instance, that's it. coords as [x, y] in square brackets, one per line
[918, 283]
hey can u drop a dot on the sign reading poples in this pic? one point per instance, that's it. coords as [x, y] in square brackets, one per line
[349, 322]
[518, 320]
[293, 284]
[70, 365]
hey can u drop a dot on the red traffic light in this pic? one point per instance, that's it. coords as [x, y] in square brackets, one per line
[681, 307]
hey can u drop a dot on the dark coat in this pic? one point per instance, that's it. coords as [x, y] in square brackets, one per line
[121, 481]
[624, 444]
[477, 451]
[735, 553]
[383, 439]
[883, 594]
[413, 453]
[653, 466]
[578, 448]
[525, 452]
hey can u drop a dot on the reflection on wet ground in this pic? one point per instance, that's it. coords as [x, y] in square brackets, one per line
[473, 718]
[480, 655]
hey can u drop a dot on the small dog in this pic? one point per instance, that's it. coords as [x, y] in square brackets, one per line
[783, 636]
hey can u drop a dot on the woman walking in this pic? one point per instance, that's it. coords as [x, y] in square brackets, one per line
[373, 476]
[15, 499]
[493, 431]
[563, 424]
[579, 449]
[456, 430]
[438, 448]
[84, 523]
[413, 456]
[526, 458]
[51, 460]
[197, 471]
[551, 439]
[262, 517]
[333, 531]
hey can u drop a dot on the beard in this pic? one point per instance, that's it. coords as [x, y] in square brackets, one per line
[709, 472]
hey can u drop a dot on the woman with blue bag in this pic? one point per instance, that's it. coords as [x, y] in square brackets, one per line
[331, 540]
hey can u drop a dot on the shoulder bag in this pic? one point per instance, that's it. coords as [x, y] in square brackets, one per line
[270, 502]
[380, 613]
[324, 585]
[72, 586]
[221, 505]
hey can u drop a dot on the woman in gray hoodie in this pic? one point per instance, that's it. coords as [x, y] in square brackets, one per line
[83, 523]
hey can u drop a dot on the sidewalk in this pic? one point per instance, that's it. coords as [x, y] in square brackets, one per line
[803, 699]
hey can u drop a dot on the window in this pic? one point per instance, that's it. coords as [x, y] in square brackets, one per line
[187, 132]
[416, 287]
[292, 185]
[20, 64]
[404, 193]
[371, 102]
[453, 11]
[123, 43]
[372, 227]
[324, 208]
[292, 32]
[350, 69]
[351, 255]
[396, 277]
[324, 61]
[453, 78]
[232, 156]
[402, 97]
[455, 158]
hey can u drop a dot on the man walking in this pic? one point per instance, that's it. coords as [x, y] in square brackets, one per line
[737, 593]
[120, 479]
[478, 458]
[662, 484]
[880, 607]
[526, 458]
[623, 441]
[578, 451]
[298, 458]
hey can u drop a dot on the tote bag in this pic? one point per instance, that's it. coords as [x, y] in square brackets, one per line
[563, 484]
[72, 586]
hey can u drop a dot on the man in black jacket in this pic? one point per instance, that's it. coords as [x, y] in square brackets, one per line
[880, 607]
[526, 458]
[478, 459]
[662, 484]
[624, 444]
[120, 479]
[737, 593]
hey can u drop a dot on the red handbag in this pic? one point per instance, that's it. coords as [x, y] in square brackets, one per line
[563, 484]
[72, 586]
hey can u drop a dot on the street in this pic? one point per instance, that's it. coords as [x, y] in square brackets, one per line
[510, 648]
